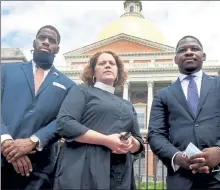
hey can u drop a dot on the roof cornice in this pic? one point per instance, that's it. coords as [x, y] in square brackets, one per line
[118, 37]
[144, 70]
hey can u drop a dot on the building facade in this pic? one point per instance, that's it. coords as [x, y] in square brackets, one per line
[12, 55]
[147, 59]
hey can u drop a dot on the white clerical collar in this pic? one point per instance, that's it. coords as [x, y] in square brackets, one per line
[105, 87]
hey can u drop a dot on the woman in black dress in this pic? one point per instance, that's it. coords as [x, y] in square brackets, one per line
[92, 119]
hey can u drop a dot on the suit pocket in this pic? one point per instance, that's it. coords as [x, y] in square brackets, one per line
[208, 134]
[214, 91]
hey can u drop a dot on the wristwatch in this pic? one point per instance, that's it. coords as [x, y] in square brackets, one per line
[35, 140]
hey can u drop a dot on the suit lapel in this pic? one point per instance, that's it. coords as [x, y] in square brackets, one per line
[177, 91]
[28, 71]
[51, 76]
[207, 82]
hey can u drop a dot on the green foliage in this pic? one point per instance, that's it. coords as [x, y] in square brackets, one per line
[159, 185]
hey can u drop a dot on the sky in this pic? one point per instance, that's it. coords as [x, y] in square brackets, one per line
[80, 22]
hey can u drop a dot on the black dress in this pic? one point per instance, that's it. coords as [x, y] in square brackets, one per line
[85, 166]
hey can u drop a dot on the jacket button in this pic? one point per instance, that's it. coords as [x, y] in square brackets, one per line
[196, 124]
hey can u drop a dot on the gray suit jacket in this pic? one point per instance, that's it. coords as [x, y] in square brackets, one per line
[172, 125]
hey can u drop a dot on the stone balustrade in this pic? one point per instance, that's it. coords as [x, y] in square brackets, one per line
[140, 66]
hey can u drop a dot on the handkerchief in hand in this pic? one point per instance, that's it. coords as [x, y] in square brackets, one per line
[191, 150]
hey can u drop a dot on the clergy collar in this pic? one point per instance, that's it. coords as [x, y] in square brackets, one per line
[105, 87]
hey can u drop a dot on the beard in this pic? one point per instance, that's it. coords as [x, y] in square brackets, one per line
[43, 59]
[191, 70]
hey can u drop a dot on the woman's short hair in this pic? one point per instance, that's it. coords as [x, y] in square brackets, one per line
[89, 70]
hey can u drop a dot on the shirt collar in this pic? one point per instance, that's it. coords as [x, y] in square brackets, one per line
[197, 74]
[34, 65]
[105, 87]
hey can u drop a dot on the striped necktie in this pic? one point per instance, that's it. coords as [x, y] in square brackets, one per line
[192, 94]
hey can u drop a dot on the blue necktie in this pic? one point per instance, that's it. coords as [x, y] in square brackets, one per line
[192, 94]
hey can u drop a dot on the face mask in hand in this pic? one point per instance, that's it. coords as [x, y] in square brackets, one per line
[191, 150]
[43, 59]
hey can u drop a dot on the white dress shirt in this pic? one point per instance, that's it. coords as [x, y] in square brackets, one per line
[7, 136]
[184, 83]
[34, 66]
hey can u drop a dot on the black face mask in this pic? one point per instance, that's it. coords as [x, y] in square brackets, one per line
[43, 59]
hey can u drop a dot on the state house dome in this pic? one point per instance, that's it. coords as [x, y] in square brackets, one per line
[133, 23]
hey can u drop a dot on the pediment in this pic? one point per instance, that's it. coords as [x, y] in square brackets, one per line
[121, 43]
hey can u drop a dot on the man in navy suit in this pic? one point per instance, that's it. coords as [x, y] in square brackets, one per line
[32, 94]
[188, 111]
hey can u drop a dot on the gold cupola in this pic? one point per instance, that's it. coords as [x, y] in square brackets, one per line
[133, 23]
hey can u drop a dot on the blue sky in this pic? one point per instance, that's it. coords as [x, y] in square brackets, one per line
[80, 22]
[15, 38]
[5, 12]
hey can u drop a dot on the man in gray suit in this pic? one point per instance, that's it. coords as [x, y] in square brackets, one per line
[188, 111]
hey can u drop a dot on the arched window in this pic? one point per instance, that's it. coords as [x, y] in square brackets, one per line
[131, 9]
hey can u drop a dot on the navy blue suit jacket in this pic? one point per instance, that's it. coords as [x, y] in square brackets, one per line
[25, 114]
[172, 126]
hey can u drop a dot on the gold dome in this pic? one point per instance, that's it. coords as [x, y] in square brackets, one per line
[133, 24]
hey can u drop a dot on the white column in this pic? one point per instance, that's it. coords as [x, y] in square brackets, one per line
[125, 90]
[150, 85]
[129, 94]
